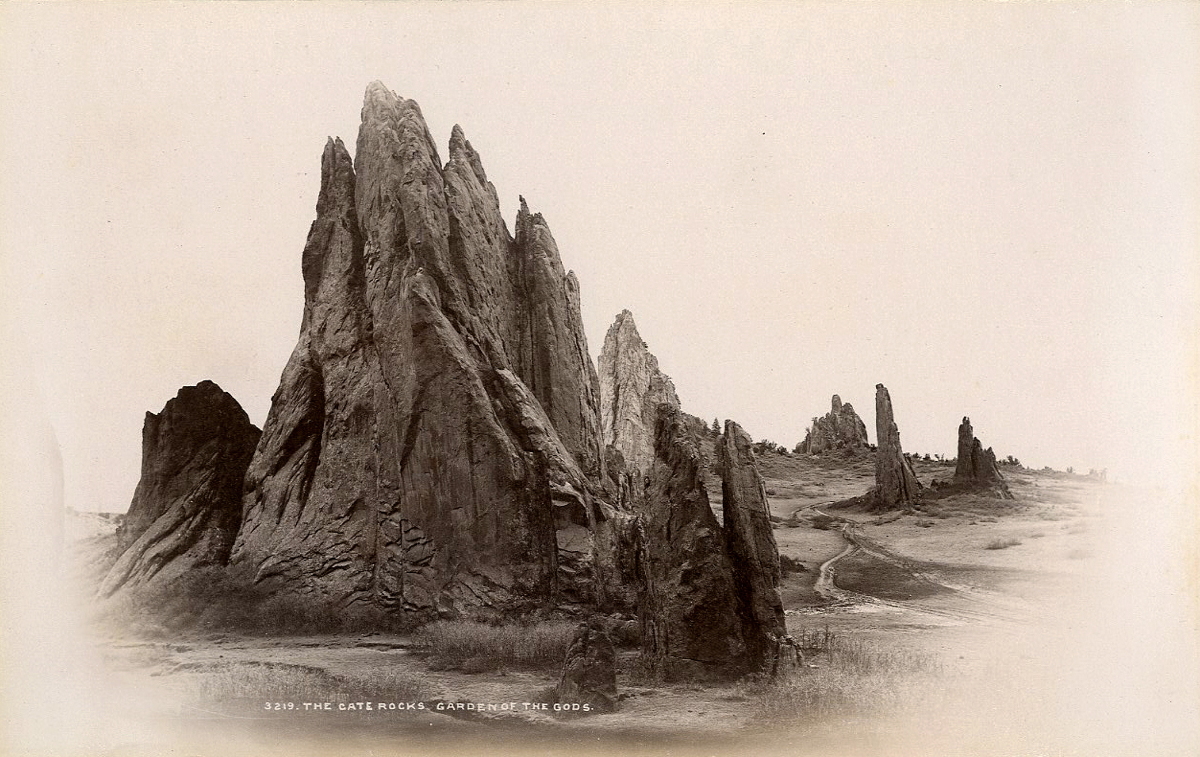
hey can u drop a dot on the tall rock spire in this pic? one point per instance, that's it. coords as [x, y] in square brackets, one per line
[432, 437]
[896, 484]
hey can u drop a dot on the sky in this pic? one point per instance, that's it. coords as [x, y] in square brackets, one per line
[992, 209]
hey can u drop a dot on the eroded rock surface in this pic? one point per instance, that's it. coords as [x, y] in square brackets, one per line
[631, 389]
[750, 541]
[840, 428]
[896, 484]
[688, 602]
[589, 674]
[187, 507]
[976, 466]
[434, 443]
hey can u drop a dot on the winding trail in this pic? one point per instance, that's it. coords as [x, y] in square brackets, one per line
[987, 605]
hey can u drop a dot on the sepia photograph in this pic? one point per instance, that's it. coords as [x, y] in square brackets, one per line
[537, 378]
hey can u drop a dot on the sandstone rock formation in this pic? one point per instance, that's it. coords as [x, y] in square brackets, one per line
[434, 443]
[896, 484]
[631, 389]
[976, 466]
[750, 542]
[709, 604]
[688, 603]
[840, 428]
[187, 506]
[589, 674]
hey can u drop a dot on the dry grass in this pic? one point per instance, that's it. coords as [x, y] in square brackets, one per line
[848, 677]
[481, 647]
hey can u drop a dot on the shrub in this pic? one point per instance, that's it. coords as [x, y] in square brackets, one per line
[1003, 543]
[791, 565]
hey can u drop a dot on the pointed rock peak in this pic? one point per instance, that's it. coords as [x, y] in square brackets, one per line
[631, 387]
[337, 177]
[524, 206]
[378, 93]
[461, 150]
[836, 404]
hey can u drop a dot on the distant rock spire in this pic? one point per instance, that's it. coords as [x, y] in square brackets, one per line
[896, 484]
[976, 466]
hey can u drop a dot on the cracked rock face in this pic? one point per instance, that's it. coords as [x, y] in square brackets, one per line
[688, 604]
[187, 505]
[434, 443]
[976, 466]
[631, 389]
[896, 484]
[840, 428]
[750, 542]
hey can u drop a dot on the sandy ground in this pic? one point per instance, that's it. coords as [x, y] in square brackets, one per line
[1043, 647]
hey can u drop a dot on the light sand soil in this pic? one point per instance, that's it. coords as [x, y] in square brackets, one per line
[986, 621]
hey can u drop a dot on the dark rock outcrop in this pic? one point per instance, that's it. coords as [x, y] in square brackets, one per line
[709, 604]
[976, 467]
[840, 428]
[896, 484]
[750, 542]
[688, 603]
[434, 443]
[589, 674]
[187, 507]
[631, 389]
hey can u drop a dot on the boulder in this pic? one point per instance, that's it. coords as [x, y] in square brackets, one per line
[434, 444]
[750, 542]
[186, 508]
[631, 389]
[896, 484]
[589, 674]
[840, 428]
[976, 467]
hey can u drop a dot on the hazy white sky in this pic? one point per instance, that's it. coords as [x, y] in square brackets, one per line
[992, 209]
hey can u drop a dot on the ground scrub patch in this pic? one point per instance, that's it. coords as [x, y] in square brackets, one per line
[217, 599]
[867, 574]
[475, 647]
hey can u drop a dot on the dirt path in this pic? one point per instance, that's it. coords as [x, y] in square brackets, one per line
[968, 603]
